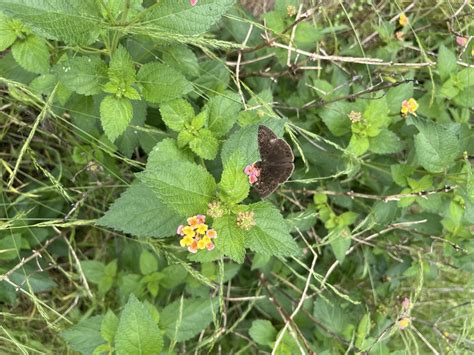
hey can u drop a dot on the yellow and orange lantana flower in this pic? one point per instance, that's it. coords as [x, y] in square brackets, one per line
[196, 235]
[409, 107]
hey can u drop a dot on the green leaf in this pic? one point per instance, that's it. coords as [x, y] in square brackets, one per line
[185, 187]
[334, 116]
[115, 115]
[109, 326]
[74, 22]
[167, 150]
[205, 144]
[386, 142]
[182, 59]
[183, 320]
[436, 145]
[32, 54]
[446, 63]
[234, 186]
[466, 78]
[141, 213]
[137, 332]
[230, 238]
[262, 332]
[396, 95]
[223, 112]
[270, 235]
[160, 83]
[176, 114]
[93, 270]
[121, 68]
[148, 263]
[214, 76]
[358, 144]
[363, 330]
[340, 242]
[7, 32]
[377, 113]
[329, 314]
[84, 75]
[181, 18]
[84, 337]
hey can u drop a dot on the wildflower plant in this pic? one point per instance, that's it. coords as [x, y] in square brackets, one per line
[131, 220]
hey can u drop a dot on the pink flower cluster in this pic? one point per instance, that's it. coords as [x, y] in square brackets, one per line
[252, 172]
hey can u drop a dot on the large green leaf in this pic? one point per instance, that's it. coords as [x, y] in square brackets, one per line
[137, 332]
[180, 17]
[84, 75]
[167, 150]
[386, 142]
[115, 115]
[234, 186]
[223, 112]
[74, 22]
[230, 238]
[176, 114]
[85, 336]
[183, 186]
[262, 332]
[447, 63]
[7, 32]
[161, 83]
[32, 54]
[183, 320]
[141, 213]
[436, 145]
[270, 235]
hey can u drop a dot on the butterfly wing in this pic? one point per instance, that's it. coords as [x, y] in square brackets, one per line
[271, 176]
[273, 149]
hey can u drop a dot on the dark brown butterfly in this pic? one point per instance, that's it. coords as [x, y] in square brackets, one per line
[276, 162]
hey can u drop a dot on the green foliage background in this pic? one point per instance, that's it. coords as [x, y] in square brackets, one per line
[120, 119]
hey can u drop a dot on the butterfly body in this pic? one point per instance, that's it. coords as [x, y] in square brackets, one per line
[276, 162]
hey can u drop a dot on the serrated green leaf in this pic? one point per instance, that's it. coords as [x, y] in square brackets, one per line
[137, 332]
[234, 186]
[329, 314]
[182, 59]
[7, 33]
[436, 145]
[179, 17]
[176, 114]
[262, 332]
[121, 67]
[115, 115]
[335, 117]
[182, 321]
[184, 138]
[230, 238]
[161, 83]
[109, 326]
[223, 112]
[74, 22]
[205, 144]
[270, 235]
[377, 113]
[167, 150]
[84, 75]
[148, 263]
[185, 187]
[340, 242]
[32, 54]
[358, 144]
[93, 270]
[446, 63]
[386, 142]
[140, 212]
[84, 337]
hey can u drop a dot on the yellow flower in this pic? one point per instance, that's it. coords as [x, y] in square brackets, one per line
[409, 106]
[188, 231]
[201, 244]
[403, 323]
[206, 240]
[186, 241]
[201, 228]
[403, 20]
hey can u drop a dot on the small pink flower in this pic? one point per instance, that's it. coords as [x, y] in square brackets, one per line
[193, 2]
[252, 172]
[210, 246]
[180, 230]
[406, 304]
[201, 218]
[461, 41]
[211, 233]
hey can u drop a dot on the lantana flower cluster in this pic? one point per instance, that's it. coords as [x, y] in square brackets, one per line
[409, 107]
[196, 235]
[252, 172]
